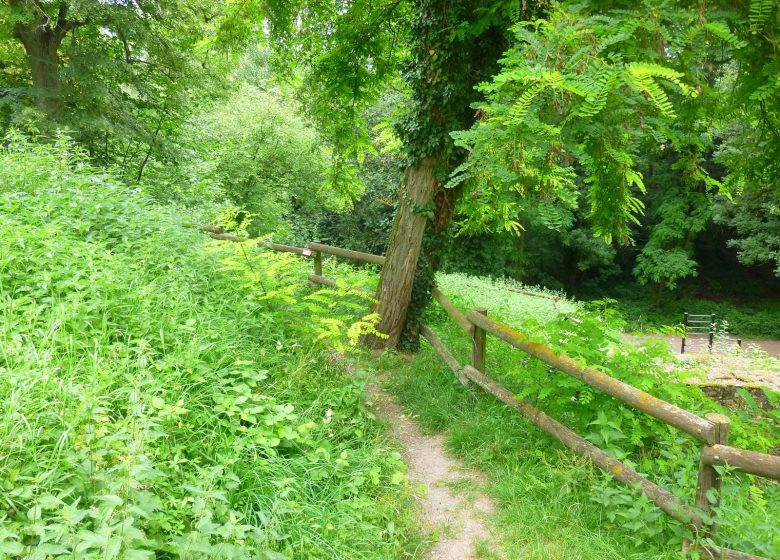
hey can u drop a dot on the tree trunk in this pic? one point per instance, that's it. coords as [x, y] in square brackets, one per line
[395, 286]
[41, 40]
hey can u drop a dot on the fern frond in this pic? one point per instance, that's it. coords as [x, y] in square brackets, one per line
[722, 32]
[760, 11]
[643, 77]
[600, 82]
[555, 217]
[518, 111]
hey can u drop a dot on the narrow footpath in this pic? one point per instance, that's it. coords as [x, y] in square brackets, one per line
[453, 505]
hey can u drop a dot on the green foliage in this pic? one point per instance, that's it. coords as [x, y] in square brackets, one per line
[365, 223]
[157, 406]
[328, 315]
[452, 48]
[122, 76]
[664, 267]
[340, 54]
[756, 220]
[530, 472]
[760, 11]
[750, 319]
[574, 90]
[254, 149]
[748, 130]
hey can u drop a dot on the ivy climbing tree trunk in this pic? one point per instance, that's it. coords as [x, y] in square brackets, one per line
[395, 287]
[445, 68]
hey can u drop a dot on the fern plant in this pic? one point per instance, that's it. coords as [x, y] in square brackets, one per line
[575, 100]
[337, 317]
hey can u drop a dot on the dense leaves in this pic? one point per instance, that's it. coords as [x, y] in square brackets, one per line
[121, 75]
[162, 398]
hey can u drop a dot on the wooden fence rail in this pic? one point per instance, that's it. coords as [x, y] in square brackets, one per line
[454, 313]
[346, 253]
[287, 249]
[712, 430]
[661, 497]
[759, 464]
[696, 426]
[205, 227]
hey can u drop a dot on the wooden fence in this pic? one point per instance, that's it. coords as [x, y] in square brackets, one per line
[712, 430]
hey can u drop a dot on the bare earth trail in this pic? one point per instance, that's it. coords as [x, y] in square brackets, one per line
[724, 367]
[448, 508]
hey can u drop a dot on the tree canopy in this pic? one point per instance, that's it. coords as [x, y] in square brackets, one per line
[648, 125]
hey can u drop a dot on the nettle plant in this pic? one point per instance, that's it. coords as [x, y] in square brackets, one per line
[155, 406]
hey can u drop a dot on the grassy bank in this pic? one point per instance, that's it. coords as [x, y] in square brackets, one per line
[551, 503]
[154, 403]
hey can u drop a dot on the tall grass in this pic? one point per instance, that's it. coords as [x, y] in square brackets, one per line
[151, 406]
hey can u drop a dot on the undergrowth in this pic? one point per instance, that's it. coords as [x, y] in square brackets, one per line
[162, 398]
[551, 503]
[169, 398]
[755, 319]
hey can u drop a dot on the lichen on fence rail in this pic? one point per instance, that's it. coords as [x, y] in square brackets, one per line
[325, 281]
[752, 462]
[347, 253]
[682, 419]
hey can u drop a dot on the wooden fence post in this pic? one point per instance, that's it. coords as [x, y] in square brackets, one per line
[708, 488]
[478, 338]
[685, 333]
[317, 258]
[712, 331]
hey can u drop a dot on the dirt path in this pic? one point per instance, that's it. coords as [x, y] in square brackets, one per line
[452, 504]
[723, 366]
[771, 347]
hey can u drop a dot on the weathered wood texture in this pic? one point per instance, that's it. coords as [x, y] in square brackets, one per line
[717, 553]
[682, 419]
[661, 497]
[317, 257]
[479, 345]
[403, 250]
[227, 237]
[286, 248]
[709, 480]
[445, 354]
[205, 227]
[752, 462]
[456, 314]
[530, 293]
[215, 232]
[347, 253]
[325, 281]
[41, 39]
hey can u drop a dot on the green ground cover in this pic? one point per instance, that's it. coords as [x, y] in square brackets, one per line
[758, 319]
[551, 503]
[163, 397]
